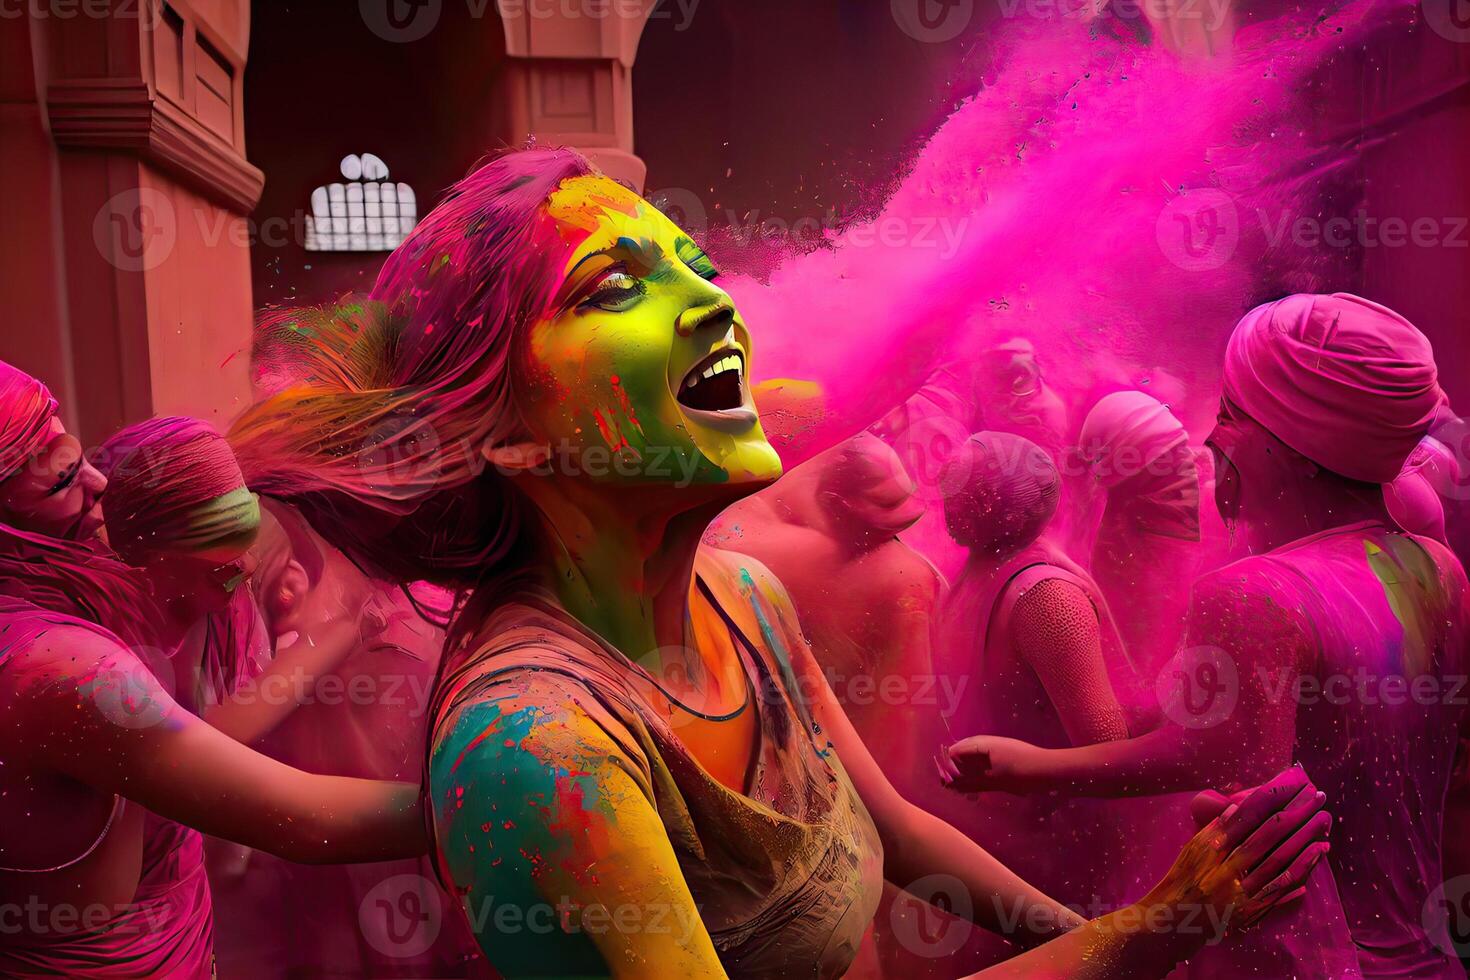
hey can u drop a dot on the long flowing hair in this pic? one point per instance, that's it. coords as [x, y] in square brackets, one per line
[81, 580]
[384, 403]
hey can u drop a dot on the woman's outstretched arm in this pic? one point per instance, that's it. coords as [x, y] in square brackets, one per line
[95, 713]
[1252, 857]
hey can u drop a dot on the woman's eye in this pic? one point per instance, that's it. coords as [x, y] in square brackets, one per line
[616, 292]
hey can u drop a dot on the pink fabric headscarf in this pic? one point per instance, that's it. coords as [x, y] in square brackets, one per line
[1347, 383]
[26, 410]
[173, 485]
[1126, 432]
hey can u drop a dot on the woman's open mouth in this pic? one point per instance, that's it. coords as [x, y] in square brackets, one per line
[714, 391]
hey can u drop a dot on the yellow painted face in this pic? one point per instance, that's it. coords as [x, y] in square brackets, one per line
[641, 372]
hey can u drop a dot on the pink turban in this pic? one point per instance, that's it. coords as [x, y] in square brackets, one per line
[174, 485]
[1125, 433]
[1347, 383]
[26, 411]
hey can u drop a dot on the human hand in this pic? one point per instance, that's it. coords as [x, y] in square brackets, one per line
[992, 764]
[1252, 856]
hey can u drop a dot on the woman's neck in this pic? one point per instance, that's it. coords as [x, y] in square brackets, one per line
[622, 563]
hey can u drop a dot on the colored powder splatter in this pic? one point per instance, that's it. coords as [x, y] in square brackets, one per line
[1117, 204]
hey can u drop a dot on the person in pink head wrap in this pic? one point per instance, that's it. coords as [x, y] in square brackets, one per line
[46, 483]
[1138, 458]
[50, 515]
[1028, 637]
[102, 773]
[178, 507]
[1347, 383]
[1337, 640]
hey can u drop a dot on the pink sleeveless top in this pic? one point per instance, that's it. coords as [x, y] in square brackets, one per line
[1004, 695]
[166, 931]
[1093, 854]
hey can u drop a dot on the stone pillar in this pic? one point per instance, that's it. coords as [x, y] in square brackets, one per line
[126, 157]
[570, 78]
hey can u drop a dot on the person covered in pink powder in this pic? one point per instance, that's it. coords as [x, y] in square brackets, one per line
[830, 530]
[1030, 637]
[346, 694]
[98, 760]
[1337, 640]
[1148, 543]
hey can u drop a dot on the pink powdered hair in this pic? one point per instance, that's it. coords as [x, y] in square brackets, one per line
[388, 401]
[1343, 381]
[26, 411]
[1001, 492]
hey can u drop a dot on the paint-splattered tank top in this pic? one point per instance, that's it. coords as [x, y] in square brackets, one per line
[787, 875]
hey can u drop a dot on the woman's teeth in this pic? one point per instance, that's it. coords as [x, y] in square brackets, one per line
[731, 363]
[717, 385]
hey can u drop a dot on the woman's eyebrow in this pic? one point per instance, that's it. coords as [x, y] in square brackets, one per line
[600, 253]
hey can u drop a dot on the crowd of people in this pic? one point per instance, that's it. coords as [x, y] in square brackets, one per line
[497, 598]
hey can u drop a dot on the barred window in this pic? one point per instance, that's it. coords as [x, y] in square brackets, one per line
[366, 213]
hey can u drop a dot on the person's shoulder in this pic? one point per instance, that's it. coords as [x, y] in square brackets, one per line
[1445, 560]
[1253, 572]
[37, 636]
[735, 569]
[61, 661]
[527, 719]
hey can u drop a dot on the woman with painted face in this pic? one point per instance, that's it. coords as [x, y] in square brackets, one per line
[1336, 639]
[98, 760]
[635, 766]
